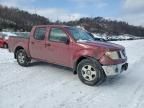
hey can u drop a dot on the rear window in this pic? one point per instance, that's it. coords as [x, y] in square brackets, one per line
[40, 33]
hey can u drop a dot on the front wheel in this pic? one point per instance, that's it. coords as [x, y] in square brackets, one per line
[22, 58]
[90, 72]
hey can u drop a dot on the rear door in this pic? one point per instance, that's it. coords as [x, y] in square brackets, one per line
[37, 43]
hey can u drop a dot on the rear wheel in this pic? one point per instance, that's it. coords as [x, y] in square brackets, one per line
[22, 58]
[90, 72]
[5, 46]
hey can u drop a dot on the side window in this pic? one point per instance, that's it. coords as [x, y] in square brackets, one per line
[40, 33]
[57, 35]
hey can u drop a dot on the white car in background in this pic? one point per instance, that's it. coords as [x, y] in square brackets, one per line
[6, 35]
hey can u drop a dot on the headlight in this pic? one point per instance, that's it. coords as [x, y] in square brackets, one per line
[113, 55]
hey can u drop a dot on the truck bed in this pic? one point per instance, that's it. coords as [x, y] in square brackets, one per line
[15, 41]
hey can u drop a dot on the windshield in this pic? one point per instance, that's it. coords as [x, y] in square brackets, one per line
[80, 35]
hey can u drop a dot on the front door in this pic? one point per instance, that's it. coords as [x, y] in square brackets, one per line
[57, 47]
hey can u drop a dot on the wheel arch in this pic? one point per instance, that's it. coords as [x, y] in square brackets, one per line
[79, 60]
[16, 49]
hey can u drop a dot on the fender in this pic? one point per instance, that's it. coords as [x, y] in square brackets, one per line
[83, 54]
[21, 45]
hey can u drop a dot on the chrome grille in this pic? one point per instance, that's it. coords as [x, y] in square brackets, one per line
[122, 54]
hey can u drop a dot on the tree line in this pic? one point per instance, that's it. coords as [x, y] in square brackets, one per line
[19, 20]
[110, 27]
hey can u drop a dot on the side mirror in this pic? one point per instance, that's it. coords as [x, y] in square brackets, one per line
[67, 41]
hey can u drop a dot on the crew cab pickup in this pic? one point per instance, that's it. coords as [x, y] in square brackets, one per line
[71, 47]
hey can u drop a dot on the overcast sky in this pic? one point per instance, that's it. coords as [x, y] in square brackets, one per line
[131, 11]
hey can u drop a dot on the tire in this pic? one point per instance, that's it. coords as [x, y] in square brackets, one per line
[22, 58]
[90, 72]
[5, 46]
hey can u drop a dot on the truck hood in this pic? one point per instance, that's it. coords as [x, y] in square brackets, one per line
[105, 45]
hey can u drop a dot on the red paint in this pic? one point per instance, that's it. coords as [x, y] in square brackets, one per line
[62, 53]
[2, 42]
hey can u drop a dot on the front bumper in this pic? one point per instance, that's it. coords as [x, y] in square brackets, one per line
[112, 70]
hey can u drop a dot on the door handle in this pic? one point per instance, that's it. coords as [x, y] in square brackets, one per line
[32, 43]
[48, 44]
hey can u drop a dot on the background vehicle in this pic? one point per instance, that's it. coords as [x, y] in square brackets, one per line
[92, 60]
[4, 36]
[97, 38]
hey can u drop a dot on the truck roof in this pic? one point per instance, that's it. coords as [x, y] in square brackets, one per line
[51, 26]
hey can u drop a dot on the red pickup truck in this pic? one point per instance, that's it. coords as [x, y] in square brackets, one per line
[92, 60]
